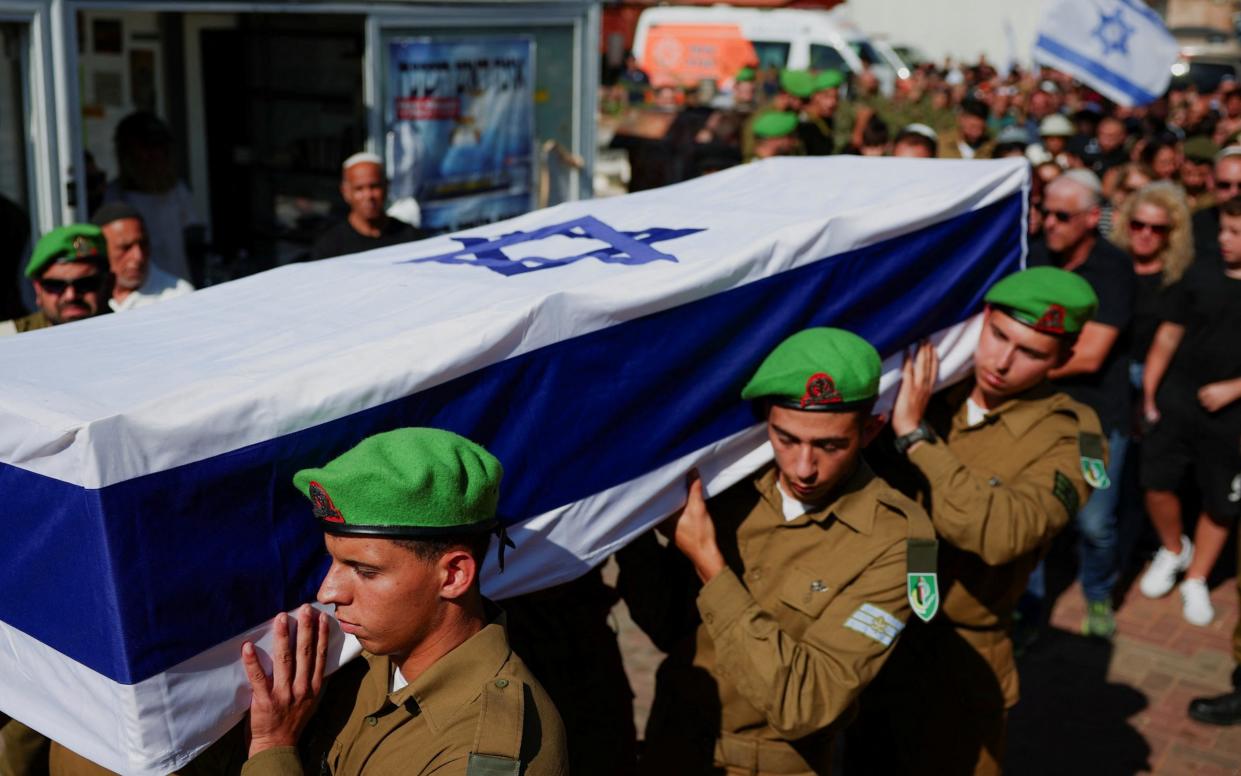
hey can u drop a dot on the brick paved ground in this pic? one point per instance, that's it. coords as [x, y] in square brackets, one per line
[1089, 707]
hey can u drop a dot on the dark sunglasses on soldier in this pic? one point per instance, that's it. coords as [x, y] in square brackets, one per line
[86, 285]
[1137, 226]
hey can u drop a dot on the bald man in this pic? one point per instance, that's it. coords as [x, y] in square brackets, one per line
[364, 187]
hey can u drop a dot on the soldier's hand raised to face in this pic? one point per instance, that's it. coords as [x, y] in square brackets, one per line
[693, 532]
[918, 375]
[283, 703]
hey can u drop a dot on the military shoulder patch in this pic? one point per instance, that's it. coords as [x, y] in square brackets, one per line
[1093, 468]
[870, 620]
[1065, 492]
[921, 578]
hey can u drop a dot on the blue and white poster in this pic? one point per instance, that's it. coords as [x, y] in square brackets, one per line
[460, 128]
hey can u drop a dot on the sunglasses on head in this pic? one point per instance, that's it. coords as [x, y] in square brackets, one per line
[1137, 226]
[85, 285]
[1063, 216]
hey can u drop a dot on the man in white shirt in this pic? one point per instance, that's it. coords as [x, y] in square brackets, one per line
[139, 282]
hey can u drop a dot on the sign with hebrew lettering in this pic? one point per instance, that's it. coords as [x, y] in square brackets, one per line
[460, 128]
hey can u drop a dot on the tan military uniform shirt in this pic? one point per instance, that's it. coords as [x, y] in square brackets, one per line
[36, 320]
[435, 724]
[800, 620]
[999, 492]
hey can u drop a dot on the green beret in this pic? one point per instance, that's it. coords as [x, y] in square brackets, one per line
[828, 79]
[1200, 149]
[76, 242]
[818, 369]
[745, 74]
[798, 83]
[1047, 299]
[775, 124]
[413, 483]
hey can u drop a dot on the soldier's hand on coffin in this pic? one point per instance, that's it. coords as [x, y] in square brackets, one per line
[918, 375]
[693, 532]
[283, 703]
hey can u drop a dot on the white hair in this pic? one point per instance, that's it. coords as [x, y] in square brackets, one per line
[1086, 182]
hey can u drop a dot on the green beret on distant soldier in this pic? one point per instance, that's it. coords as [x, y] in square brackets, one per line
[75, 242]
[798, 83]
[1047, 299]
[828, 79]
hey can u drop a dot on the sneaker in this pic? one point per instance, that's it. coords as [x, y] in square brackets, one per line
[1100, 622]
[1196, 602]
[1160, 576]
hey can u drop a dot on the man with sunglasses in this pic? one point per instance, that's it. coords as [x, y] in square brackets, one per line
[1226, 183]
[69, 270]
[1097, 375]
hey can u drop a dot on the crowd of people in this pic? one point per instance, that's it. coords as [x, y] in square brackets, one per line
[874, 566]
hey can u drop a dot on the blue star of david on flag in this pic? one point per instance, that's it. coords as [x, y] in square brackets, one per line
[628, 248]
[1113, 33]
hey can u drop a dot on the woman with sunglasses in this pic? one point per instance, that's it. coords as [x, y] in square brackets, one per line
[1153, 227]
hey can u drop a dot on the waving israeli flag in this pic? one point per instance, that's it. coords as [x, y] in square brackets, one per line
[1119, 47]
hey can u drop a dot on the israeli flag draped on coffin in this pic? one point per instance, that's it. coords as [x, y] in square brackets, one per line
[597, 348]
[1121, 48]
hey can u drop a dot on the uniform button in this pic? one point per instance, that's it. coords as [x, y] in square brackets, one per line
[372, 721]
[708, 617]
[501, 683]
[756, 574]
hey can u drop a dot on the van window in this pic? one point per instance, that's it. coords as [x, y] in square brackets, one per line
[826, 58]
[865, 52]
[771, 53]
[1207, 75]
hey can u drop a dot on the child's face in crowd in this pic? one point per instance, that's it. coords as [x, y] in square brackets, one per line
[1230, 240]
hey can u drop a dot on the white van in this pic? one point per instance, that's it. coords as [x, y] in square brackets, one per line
[684, 45]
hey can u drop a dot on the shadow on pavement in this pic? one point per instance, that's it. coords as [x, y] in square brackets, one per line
[1070, 719]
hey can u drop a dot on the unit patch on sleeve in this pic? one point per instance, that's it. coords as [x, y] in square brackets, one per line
[1064, 491]
[870, 620]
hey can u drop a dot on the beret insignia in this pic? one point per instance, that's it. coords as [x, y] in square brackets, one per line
[322, 505]
[820, 390]
[1052, 321]
[84, 248]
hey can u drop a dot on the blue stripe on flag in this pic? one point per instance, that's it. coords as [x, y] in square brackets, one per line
[1146, 12]
[1098, 70]
[136, 577]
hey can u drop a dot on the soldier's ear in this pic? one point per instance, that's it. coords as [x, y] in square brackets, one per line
[871, 426]
[458, 571]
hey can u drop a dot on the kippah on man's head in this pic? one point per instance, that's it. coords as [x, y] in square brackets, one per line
[820, 369]
[411, 483]
[1047, 299]
[114, 211]
[363, 157]
[72, 243]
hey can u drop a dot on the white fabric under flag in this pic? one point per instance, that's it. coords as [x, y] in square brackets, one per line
[1121, 48]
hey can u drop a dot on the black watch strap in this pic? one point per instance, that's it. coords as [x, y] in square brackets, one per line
[923, 433]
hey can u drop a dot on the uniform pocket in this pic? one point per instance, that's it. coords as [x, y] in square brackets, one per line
[807, 591]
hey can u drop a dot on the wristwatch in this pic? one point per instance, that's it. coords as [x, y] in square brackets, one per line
[923, 433]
